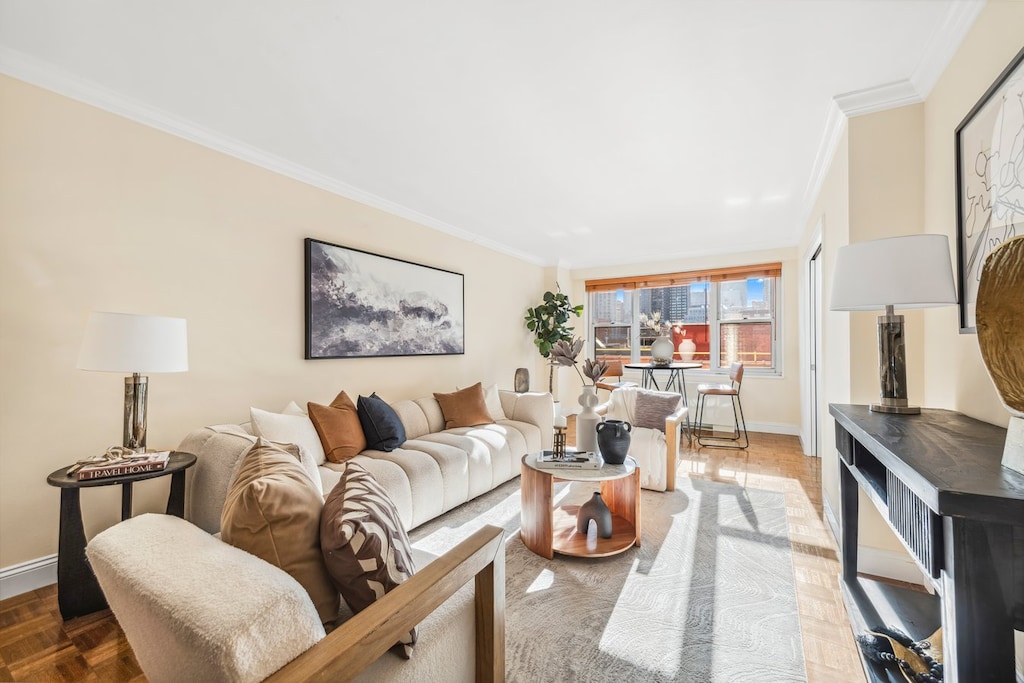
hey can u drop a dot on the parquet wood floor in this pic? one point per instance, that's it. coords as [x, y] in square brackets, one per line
[36, 645]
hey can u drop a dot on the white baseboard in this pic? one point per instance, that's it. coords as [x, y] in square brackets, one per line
[888, 564]
[27, 576]
[762, 427]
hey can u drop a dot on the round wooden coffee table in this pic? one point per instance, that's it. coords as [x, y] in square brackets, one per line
[547, 528]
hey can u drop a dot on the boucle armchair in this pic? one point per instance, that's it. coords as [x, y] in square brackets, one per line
[196, 609]
[657, 418]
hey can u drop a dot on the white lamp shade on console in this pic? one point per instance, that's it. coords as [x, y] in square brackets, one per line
[913, 271]
[123, 342]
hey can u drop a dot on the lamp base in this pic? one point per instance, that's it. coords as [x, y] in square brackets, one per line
[135, 394]
[895, 410]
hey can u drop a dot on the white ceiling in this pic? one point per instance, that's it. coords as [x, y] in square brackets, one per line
[581, 132]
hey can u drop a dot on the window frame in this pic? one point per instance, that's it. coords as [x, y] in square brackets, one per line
[715, 321]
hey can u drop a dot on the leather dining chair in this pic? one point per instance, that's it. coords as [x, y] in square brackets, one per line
[614, 370]
[732, 390]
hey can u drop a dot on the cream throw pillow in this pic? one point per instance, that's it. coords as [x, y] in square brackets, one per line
[296, 429]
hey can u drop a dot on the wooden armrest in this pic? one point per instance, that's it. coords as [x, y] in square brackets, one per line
[673, 432]
[358, 642]
[673, 421]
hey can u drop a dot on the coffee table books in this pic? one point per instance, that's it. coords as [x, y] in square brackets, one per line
[572, 460]
[146, 462]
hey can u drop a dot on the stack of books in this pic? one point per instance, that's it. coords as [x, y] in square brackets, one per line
[573, 460]
[137, 464]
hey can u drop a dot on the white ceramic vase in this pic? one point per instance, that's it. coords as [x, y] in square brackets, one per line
[661, 350]
[587, 420]
[687, 347]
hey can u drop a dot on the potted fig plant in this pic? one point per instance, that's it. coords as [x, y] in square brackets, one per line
[549, 323]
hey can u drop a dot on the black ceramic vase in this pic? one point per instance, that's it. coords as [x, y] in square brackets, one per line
[613, 440]
[595, 509]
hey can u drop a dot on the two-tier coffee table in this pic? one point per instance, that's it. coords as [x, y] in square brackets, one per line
[547, 528]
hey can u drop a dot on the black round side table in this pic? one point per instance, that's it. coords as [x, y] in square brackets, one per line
[78, 592]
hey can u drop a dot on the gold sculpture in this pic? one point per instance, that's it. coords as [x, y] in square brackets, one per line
[1000, 321]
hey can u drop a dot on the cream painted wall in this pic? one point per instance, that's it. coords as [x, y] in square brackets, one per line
[956, 378]
[893, 174]
[831, 211]
[100, 213]
[773, 401]
[898, 170]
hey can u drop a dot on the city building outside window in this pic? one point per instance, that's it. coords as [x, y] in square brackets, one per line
[713, 317]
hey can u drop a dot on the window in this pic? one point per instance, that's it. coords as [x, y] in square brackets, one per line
[713, 317]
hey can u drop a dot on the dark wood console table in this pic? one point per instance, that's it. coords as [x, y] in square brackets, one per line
[937, 479]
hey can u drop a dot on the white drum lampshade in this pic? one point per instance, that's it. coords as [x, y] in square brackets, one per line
[123, 342]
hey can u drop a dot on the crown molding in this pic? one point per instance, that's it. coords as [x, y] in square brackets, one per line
[835, 124]
[878, 98]
[944, 44]
[44, 75]
[940, 50]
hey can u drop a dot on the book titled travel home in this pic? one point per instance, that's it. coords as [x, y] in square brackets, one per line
[147, 462]
[573, 460]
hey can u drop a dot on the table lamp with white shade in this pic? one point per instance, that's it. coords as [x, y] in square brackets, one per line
[913, 271]
[123, 342]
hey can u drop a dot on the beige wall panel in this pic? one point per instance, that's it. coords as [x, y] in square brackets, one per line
[956, 377]
[832, 212]
[100, 213]
[886, 197]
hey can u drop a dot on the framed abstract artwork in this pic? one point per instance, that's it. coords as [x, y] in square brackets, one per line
[361, 305]
[989, 180]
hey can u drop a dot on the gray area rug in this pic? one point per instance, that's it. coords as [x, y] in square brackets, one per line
[708, 597]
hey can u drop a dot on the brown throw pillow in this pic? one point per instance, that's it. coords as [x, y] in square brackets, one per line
[652, 409]
[339, 428]
[272, 510]
[365, 546]
[464, 408]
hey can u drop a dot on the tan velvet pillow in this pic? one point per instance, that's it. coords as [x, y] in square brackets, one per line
[339, 428]
[465, 407]
[272, 510]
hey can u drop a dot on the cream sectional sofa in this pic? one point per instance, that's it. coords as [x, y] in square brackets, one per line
[194, 607]
[435, 470]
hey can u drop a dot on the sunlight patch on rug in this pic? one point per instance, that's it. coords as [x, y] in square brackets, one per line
[709, 595]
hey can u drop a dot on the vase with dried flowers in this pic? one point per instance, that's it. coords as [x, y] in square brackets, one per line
[565, 353]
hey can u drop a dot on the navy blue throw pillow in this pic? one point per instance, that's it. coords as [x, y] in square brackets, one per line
[384, 431]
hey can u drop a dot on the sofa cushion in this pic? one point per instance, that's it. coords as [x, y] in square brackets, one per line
[285, 428]
[338, 425]
[493, 401]
[464, 408]
[365, 547]
[272, 510]
[653, 407]
[383, 430]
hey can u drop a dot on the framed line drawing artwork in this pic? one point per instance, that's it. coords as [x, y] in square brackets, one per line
[989, 181]
[361, 305]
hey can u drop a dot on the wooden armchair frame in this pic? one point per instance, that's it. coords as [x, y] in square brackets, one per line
[357, 643]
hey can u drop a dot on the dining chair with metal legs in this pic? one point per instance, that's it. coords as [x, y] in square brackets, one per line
[732, 390]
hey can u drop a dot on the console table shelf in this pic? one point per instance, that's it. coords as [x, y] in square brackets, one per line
[937, 479]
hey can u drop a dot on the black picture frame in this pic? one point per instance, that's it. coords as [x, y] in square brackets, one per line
[365, 305]
[989, 198]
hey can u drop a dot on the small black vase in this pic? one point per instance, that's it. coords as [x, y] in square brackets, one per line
[595, 509]
[613, 437]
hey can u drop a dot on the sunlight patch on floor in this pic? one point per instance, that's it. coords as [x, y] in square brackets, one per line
[544, 580]
[657, 614]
